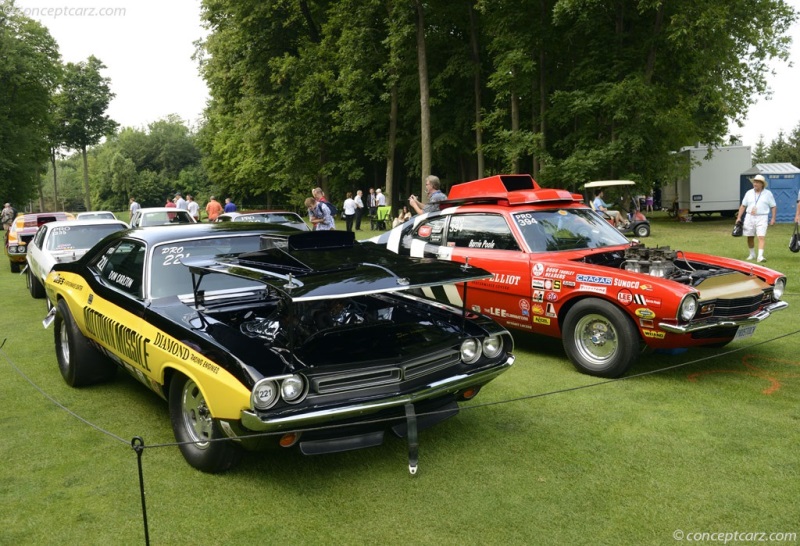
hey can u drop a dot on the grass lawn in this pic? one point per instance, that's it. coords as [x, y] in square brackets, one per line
[710, 447]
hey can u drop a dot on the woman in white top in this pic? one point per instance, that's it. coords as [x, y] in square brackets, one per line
[759, 203]
[349, 211]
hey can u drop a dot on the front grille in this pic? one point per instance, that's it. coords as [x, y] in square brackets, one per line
[739, 307]
[352, 380]
[27, 238]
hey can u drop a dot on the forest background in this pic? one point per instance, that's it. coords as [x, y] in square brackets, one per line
[355, 94]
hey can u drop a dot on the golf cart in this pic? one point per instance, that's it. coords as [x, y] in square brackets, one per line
[623, 199]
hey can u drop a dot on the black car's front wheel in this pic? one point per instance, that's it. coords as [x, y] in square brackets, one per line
[599, 338]
[201, 440]
[80, 364]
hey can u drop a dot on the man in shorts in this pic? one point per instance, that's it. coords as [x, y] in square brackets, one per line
[759, 203]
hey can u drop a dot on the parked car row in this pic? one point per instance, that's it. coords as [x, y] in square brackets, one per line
[258, 332]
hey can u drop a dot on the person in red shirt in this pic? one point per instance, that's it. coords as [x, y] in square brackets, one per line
[213, 209]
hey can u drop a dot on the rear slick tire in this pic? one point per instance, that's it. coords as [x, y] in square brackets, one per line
[79, 362]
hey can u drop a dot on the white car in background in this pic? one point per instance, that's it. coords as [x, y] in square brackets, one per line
[96, 215]
[160, 216]
[63, 241]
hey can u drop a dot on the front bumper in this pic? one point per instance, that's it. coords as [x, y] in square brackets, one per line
[251, 421]
[723, 323]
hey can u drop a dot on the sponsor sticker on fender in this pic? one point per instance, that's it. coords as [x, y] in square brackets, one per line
[538, 296]
[424, 231]
[525, 307]
[538, 309]
[538, 269]
[624, 297]
[592, 288]
[644, 313]
[542, 320]
[655, 334]
[594, 279]
[551, 296]
[641, 299]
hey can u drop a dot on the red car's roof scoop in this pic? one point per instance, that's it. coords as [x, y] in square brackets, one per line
[511, 188]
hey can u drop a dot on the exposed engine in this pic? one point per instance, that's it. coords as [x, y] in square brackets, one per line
[658, 262]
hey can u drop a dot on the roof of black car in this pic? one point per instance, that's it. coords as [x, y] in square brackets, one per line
[178, 232]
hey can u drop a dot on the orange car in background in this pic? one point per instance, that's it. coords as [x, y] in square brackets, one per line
[22, 231]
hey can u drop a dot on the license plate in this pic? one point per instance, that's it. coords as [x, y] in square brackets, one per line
[744, 332]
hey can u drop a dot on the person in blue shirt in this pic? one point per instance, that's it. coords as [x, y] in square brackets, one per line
[601, 206]
[230, 206]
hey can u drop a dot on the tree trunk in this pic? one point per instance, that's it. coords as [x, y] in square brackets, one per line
[87, 197]
[514, 128]
[424, 96]
[476, 82]
[55, 179]
[392, 145]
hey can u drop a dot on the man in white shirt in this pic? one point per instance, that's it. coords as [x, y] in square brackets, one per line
[359, 209]
[180, 202]
[758, 203]
[193, 208]
[380, 199]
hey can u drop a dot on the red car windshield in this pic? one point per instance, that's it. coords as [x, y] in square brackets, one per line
[566, 229]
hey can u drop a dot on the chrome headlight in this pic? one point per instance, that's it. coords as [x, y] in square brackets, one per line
[265, 394]
[293, 389]
[688, 308]
[492, 346]
[470, 351]
[780, 286]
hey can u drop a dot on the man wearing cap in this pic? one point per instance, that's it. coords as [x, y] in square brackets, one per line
[180, 202]
[759, 203]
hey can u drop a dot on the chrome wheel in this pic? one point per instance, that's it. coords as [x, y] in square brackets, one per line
[595, 340]
[196, 417]
[600, 338]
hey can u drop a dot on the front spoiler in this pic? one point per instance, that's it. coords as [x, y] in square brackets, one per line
[253, 422]
[724, 323]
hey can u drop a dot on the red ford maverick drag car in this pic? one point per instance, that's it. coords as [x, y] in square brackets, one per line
[561, 270]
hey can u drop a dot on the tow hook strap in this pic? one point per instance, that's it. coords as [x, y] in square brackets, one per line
[413, 442]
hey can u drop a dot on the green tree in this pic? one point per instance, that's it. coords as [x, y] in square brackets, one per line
[29, 71]
[82, 103]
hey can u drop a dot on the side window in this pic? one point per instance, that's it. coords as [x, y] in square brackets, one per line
[122, 267]
[38, 239]
[487, 231]
[431, 231]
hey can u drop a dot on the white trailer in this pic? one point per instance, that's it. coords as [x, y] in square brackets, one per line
[712, 184]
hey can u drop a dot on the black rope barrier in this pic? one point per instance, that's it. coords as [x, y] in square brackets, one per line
[138, 444]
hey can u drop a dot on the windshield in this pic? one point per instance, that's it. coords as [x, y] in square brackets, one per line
[169, 277]
[79, 237]
[567, 229]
